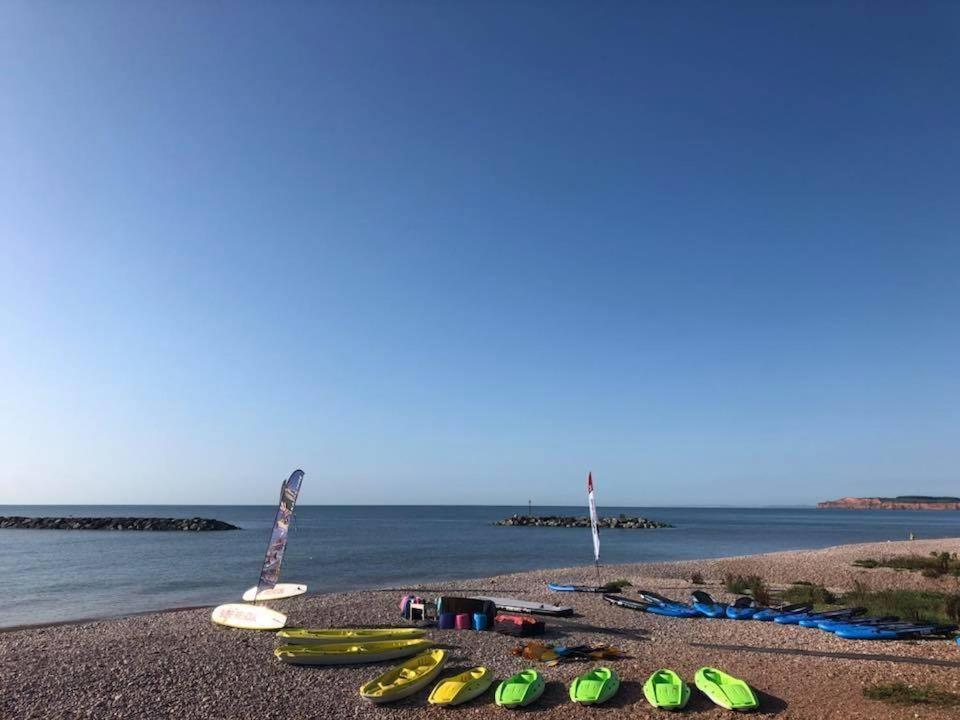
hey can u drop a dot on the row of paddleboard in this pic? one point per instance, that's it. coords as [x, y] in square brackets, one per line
[850, 623]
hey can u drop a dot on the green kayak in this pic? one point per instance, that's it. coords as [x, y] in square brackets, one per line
[594, 687]
[520, 690]
[725, 690]
[665, 689]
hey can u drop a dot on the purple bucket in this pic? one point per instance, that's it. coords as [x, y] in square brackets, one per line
[446, 621]
[463, 621]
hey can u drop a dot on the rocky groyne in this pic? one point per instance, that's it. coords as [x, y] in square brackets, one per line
[115, 523]
[622, 522]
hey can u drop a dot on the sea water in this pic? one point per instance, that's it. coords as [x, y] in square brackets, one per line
[53, 575]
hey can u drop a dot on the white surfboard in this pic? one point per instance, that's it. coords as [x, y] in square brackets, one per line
[248, 617]
[527, 606]
[277, 592]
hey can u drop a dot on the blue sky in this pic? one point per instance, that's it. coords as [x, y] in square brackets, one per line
[465, 252]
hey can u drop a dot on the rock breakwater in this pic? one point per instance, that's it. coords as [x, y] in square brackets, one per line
[622, 522]
[115, 523]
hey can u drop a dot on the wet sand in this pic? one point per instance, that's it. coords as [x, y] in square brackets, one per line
[179, 665]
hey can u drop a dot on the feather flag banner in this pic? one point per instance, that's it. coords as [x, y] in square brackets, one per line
[594, 525]
[281, 526]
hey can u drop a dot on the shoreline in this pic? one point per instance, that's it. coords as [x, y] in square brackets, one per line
[177, 663]
[662, 569]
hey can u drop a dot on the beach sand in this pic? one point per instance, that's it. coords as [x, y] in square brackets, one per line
[179, 665]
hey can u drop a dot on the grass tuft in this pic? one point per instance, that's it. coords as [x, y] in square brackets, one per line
[615, 585]
[934, 565]
[805, 592]
[697, 579]
[899, 693]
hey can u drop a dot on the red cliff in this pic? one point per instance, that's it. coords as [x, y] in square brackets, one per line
[905, 502]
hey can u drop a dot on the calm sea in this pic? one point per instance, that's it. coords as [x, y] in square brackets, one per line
[55, 575]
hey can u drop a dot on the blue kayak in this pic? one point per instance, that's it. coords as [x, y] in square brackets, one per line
[704, 604]
[742, 609]
[768, 614]
[890, 632]
[711, 610]
[673, 610]
[841, 614]
[556, 587]
[834, 625]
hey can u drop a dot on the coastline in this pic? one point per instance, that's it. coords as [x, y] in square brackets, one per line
[177, 663]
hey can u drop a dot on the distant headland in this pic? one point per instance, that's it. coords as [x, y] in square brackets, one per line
[901, 502]
[623, 522]
[115, 523]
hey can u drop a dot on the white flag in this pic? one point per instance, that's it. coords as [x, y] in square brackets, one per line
[592, 501]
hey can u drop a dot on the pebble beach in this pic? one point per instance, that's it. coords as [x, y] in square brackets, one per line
[177, 664]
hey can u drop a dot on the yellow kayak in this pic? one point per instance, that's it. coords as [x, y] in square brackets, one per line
[461, 688]
[350, 653]
[334, 636]
[406, 679]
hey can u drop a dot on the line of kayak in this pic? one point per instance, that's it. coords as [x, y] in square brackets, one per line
[851, 623]
[424, 663]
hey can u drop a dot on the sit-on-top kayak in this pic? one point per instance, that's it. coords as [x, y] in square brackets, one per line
[742, 609]
[626, 602]
[594, 687]
[350, 653]
[833, 625]
[656, 598]
[406, 679]
[893, 631]
[769, 614]
[559, 587]
[461, 688]
[660, 605]
[795, 618]
[665, 689]
[725, 690]
[328, 636]
[676, 610]
[704, 604]
[520, 690]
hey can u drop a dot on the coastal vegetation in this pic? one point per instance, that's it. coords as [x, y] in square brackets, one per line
[616, 585]
[934, 565]
[900, 693]
[911, 605]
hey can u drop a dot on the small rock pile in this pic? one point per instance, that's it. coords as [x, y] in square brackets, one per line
[115, 523]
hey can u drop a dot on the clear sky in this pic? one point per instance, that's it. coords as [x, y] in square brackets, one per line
[464, 252]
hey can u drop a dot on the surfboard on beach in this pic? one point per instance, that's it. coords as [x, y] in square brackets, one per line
[527, 606]
[277, 592]
[248, 617]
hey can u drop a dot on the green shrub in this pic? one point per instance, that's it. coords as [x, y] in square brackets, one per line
[933, 565]
[759, 590]
[951, 608]
[899, 693]
[697, 579]
[805, 592]
[735, 584]
[615, 585]
[910, 605]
